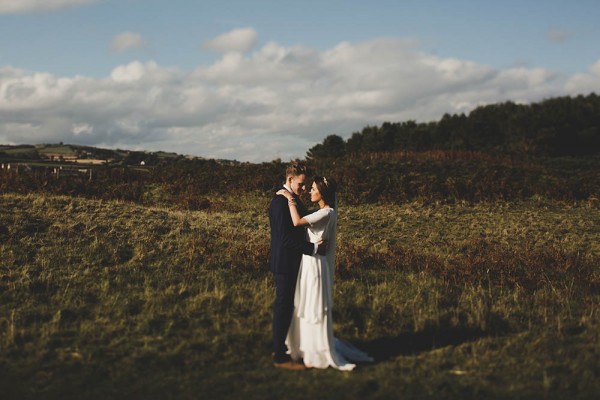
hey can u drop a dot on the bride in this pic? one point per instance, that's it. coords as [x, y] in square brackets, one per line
[310, 336]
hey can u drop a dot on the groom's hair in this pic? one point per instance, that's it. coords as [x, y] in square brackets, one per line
[296, 168]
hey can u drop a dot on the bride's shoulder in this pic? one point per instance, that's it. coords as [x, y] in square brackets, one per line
[320, 213]
[328, 211]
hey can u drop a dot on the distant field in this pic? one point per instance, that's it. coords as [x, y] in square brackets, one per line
[17, 150]
[164, 154]
[102, 299]
[91, 161]
[66, 150]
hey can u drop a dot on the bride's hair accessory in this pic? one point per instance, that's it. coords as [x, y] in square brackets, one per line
[327, 188]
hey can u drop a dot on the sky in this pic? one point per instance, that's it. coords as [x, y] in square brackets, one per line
[260, 80]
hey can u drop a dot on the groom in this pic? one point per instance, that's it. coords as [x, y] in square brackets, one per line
[288, 243]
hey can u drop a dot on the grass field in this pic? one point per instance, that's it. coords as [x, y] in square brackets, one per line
[104, 299]
[18, 150]
[58, 149]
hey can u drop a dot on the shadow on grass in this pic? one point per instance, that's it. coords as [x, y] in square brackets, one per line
[386, 348]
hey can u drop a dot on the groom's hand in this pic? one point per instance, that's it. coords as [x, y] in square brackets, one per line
[323, 246]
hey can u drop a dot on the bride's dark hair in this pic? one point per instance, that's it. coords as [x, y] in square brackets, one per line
[328, 188]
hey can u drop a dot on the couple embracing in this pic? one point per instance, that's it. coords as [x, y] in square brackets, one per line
[303, 260]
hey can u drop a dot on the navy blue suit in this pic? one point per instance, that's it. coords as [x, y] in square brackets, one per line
[288, 243]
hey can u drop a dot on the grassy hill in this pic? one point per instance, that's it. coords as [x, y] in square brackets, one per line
[41, 153]
[110, 299]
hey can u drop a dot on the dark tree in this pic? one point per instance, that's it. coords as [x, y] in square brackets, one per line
[332, 147]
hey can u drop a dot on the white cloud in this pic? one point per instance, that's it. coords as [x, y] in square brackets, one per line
[127, 41]
[238, 40]
[82, 129]
[27, 6]
[137, 71]
[276, 102]
[587, 82]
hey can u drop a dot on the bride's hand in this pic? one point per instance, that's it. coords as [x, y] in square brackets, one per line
[285, 193]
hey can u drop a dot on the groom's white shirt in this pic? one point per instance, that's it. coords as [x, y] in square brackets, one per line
[292, 192]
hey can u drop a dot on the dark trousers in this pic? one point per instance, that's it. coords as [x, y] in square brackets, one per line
[285, 287]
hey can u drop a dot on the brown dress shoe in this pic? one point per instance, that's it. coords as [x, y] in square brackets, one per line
[291, 365]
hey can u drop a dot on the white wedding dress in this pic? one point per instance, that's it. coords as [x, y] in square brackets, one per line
[310, 336]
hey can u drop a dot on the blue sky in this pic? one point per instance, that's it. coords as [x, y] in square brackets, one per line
[258, 80]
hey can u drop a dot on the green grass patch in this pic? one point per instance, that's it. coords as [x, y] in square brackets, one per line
[18, 150]
[105, 299]
[59, 149]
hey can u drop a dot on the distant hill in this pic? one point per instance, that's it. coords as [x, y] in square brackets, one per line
[43, 153]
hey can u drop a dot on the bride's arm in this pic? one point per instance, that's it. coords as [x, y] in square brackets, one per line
[296, 218]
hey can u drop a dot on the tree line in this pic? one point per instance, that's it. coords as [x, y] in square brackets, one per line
[383, 178]
[562, 126]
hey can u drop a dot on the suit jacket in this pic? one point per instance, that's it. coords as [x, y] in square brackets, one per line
[288, 242]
